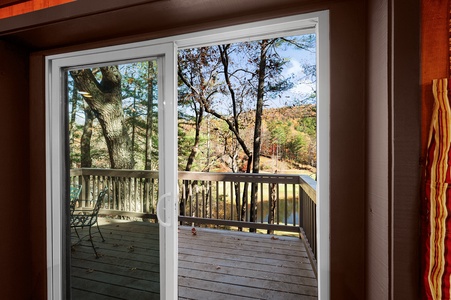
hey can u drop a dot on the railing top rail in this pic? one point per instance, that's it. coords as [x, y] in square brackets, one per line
[309, 186]
[114, 173]
[307, 183]
[240, 177]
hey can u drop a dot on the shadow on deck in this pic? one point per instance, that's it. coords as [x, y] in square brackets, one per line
[213, 264]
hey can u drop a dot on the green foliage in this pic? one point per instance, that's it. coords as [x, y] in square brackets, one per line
[289, 137]
[307, 125]
[279, 131]
[185, 140]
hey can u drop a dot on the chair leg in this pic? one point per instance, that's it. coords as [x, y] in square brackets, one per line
[77, 233]
[98, 228]
[92, 243]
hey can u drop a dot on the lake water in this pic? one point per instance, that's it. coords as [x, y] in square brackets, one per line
[281, 213]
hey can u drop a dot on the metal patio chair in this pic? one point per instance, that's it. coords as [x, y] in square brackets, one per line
[81, 218]
[75, 191]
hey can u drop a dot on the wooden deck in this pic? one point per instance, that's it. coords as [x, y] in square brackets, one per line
[213, 264]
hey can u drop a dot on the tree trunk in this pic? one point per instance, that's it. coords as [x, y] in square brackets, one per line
[73, 114]
[195, 148]
[258, 128]
[149, 128]
[151, 75]
[234, 125]
[272, 204]
[133, 126]
[245, 192]
[85, 143]
[105, 100]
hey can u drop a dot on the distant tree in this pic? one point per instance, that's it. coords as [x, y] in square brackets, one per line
[308, 125]
[139, 93]
[151, 128]
[197, 86]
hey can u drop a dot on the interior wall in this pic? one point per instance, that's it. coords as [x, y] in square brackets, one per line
[15, 245]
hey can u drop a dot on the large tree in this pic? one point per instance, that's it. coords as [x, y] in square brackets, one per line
[254, 76]
[101, 89]
[197, 86]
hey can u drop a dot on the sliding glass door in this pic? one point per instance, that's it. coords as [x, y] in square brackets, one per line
[122, 102]
[112, 178]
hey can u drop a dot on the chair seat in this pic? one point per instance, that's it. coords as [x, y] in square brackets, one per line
[88, 218]
[83, 220]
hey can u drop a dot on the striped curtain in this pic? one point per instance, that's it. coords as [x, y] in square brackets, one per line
[437, 204]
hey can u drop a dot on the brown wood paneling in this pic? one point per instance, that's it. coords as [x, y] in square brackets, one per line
[37, 181]
[15, 249]
[347, 138]
[405, 149]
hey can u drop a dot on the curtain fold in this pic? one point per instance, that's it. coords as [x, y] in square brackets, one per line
[437, 202]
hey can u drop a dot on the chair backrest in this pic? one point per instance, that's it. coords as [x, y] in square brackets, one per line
[99, 203]
[74, 192]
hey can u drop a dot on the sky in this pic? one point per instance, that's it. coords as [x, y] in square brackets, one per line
[304, 86]
[297, 58]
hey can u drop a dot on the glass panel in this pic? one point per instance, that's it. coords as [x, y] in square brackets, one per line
[247, 107]
[247, 162]
[113, 158]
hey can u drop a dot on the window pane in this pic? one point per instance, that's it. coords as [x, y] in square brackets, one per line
[113, 159]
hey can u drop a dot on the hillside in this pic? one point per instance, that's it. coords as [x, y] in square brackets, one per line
[288, 141]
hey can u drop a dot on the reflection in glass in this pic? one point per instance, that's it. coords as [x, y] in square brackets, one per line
[113, 159]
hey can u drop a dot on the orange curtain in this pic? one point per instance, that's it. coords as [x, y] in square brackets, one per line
[29, 6]
[437, 204]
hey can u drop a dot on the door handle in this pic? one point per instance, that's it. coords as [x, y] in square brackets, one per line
[159, 208]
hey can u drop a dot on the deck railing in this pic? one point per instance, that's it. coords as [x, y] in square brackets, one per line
[283, 202]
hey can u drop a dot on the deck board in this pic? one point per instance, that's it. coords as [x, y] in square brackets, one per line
[213, 264]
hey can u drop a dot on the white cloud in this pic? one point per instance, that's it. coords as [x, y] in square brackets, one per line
[294, 68]
[303, 88]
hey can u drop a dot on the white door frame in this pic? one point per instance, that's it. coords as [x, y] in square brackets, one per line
[317, 22]
[55, 156]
